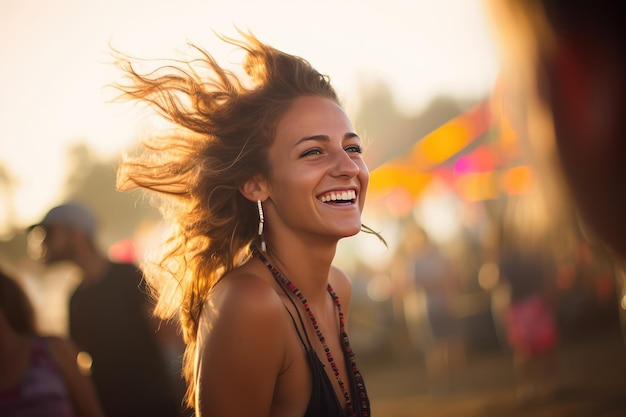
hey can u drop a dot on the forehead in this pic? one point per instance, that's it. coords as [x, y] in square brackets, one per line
[311, 115]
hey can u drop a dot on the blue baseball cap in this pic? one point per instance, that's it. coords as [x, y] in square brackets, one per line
[73, 215]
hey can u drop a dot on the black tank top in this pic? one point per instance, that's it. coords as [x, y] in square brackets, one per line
[323, 400]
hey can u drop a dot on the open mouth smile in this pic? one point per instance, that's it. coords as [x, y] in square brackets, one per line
[339, 197]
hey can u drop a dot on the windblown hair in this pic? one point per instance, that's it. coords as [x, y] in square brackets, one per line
[224, 128]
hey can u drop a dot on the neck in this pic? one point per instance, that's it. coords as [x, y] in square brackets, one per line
[307, 267]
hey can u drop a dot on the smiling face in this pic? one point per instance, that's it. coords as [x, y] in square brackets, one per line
[318, 179]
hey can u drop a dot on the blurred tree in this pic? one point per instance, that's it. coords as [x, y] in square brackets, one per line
[92, 181]
[12, 243]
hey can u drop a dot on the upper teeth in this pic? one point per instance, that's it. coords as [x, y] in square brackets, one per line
[343, 195]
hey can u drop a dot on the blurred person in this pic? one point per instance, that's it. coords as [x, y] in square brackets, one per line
[530, 324]
[39, 375]
[565, 63]
[430, 276]
[260, 181]
[110, 319]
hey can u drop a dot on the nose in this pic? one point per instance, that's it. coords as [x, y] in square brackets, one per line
[344, 165]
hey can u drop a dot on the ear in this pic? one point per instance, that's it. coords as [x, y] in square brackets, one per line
[255, 189]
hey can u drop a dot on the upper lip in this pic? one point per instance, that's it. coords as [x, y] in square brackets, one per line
[338, 194]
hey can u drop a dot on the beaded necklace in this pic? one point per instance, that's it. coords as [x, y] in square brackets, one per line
[358, 379]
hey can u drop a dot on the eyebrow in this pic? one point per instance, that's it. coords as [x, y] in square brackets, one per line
[325, 138]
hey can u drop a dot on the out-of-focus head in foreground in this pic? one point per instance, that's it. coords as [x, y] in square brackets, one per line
[564, 63]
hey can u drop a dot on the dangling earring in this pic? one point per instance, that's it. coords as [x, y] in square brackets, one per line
[261, 221]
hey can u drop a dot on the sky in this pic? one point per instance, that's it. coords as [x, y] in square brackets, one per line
[56, 64]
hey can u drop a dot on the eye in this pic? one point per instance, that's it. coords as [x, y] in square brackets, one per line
[309, 152]
[354, 148]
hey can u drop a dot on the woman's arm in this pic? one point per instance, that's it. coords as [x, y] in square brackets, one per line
[79, 387]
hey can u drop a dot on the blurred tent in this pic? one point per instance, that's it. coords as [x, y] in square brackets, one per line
[477, 154]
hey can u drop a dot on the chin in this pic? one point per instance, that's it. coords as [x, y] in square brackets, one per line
[352, 231]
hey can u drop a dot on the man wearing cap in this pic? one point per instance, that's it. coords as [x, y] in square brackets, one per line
[109, 319]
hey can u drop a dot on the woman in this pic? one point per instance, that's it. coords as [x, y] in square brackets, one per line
[39, 374]
[260, 181]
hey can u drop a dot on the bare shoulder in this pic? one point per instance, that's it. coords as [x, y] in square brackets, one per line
[62, 349]
[80, 388]
[64, 352]
[243, 293]
[245, 304]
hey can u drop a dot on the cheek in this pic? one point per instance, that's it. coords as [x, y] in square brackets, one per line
[364, 178]
[291, 185]
[364, 173]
